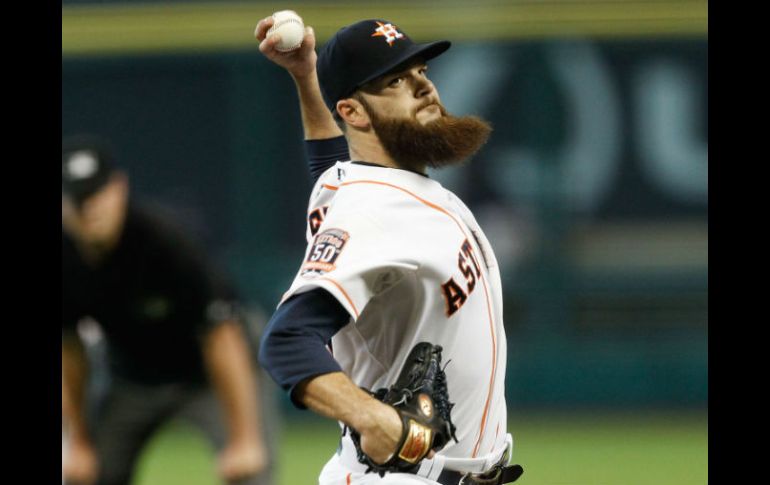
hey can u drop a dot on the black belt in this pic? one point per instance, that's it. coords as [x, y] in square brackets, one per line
[498, 475]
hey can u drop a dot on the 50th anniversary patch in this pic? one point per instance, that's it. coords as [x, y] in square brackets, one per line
[327, 246]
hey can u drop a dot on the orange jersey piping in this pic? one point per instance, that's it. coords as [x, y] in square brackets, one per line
[486, 293]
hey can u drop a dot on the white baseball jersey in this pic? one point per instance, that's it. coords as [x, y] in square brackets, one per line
[408, 261]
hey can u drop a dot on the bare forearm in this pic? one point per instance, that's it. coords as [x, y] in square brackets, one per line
[229, 364]
[317, 120]
[335, 396]
[74, 378]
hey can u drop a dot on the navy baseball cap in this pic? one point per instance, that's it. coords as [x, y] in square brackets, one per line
[86, 166]
[364, 51]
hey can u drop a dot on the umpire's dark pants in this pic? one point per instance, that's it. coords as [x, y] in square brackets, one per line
[129, 413]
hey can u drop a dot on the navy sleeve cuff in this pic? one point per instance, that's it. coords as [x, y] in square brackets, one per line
[293, 347]
[324, 153]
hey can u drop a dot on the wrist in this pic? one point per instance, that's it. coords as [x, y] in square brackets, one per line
[306, 81]
[303, 78]
[246, 439]
[370, 415]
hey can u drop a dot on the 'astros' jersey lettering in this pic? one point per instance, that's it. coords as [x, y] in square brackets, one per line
[408, 261]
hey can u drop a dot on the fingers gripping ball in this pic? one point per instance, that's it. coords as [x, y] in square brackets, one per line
[290, 27]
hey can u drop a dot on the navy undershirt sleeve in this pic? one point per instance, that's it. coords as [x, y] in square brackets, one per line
[322, 154]
[293, 346]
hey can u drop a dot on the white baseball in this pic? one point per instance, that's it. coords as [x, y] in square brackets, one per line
[291, 28]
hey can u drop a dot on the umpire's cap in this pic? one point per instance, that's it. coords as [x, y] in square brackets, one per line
[363, 51]
[86, 165]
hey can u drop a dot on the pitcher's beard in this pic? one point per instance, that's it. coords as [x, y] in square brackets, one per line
[448, 140]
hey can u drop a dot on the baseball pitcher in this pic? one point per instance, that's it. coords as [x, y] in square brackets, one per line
[393, 325]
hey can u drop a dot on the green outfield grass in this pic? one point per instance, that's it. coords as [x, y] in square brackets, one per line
[555, 449]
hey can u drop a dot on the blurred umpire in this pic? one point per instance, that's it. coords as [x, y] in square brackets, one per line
[175, 343]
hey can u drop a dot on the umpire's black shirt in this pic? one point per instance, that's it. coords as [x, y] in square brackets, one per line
[153, 296]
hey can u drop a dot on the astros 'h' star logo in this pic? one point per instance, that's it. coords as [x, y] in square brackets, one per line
[389, 31]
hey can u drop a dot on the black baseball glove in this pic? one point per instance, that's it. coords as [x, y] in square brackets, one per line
[420, 397]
